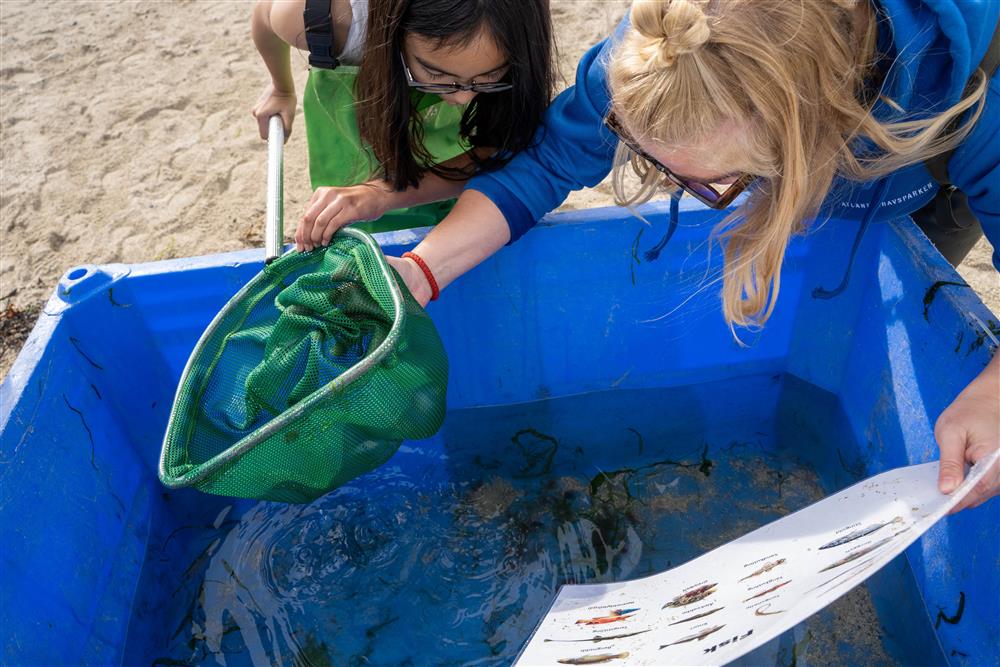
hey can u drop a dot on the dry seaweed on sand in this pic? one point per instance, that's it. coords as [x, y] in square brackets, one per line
[15, 325]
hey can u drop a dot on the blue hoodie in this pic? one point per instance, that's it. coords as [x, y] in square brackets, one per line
[937, 45]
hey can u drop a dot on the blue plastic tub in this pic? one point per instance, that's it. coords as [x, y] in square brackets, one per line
[572, 358]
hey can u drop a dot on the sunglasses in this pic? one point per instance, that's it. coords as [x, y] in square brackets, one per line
[706, 193]
[448, 88]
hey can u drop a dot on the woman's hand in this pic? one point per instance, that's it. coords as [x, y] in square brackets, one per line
[273, 102]
[329, 209]
[968, 430]
[414, 278]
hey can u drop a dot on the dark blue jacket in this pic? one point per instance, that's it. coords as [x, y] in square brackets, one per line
[937, 44]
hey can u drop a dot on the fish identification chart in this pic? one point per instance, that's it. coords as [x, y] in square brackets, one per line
[729, 601]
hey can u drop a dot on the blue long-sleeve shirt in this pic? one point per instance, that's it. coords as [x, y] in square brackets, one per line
[936, 45]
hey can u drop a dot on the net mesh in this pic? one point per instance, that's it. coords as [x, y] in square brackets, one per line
[309, 377]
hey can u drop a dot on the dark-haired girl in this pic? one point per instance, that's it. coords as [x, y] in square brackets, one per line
[406, 99]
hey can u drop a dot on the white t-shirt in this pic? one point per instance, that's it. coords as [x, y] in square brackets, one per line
[355, 45]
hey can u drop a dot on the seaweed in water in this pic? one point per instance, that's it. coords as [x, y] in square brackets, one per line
[539, 454]
[169, 662]
[638, 435]
[605, 482]
[232, 575]
[994, 328]
[563, 504]
[76, 344]
[951, 620]
[932, 292]
[856, 469]
[375, 629]
[90, 434]
[653, 253]
[371, 634]
[111, 298]
[799, 647]
[704, 466]
[312, 654]
[635, 255]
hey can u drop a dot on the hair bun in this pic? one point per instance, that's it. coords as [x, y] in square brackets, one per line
[674, 28]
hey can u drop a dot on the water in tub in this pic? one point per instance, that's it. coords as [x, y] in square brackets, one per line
[451, 552]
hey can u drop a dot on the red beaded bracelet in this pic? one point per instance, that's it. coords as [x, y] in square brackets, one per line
[435, 292]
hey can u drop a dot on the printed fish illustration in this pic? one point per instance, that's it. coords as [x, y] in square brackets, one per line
[857, 534]
[697, 594]
[759, 611]
[766, 567]
[593, 659]
[697, 616]
[846, 572]
[769, 590]
[613, 617]
[691, 638]
[860, 553]
[600, 638]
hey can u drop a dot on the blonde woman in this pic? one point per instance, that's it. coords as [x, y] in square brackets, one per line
[810, 105]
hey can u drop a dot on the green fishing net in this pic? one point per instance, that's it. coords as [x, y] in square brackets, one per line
[309, 377]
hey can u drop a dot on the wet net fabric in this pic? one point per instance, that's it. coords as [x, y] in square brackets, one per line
[311, 375]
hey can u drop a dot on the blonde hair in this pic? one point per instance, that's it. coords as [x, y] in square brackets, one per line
[794, 73]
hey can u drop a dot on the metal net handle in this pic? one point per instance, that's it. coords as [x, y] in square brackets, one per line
[274, 223]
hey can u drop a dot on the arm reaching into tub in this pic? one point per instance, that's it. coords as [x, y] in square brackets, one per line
[474, 230]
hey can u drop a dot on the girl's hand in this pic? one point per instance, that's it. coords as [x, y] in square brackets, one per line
[413, 277]
[968, 430]
[329, 209]
[272, 102]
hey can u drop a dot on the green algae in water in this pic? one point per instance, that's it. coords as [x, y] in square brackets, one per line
[452, 552]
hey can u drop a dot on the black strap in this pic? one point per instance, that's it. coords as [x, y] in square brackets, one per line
[938, 165]
[319, 34]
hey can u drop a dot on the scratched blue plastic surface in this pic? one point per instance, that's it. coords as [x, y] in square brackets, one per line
[565, 311]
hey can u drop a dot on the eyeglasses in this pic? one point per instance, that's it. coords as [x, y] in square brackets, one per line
[448, 88]
[706, 193]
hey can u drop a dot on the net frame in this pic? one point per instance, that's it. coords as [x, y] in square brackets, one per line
[220, 462]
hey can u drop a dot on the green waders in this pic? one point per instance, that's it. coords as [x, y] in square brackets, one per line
[339, 158]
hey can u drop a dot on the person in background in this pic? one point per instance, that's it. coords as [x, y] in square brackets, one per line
[406, 99]
[836, 107]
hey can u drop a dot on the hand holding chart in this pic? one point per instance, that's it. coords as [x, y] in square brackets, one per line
[729, 601]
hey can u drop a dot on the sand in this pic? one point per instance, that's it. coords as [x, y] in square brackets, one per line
[126, 136]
